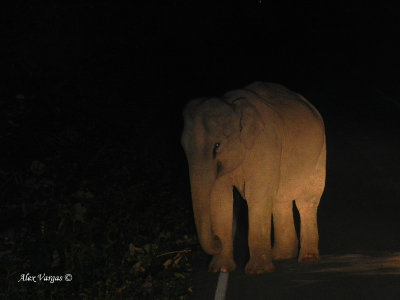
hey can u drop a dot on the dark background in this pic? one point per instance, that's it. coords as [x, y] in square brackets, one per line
[132, 67]
[93, 87]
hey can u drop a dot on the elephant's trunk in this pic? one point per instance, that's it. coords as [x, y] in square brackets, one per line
[201, 183]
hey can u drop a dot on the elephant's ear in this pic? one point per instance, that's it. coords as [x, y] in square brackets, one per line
[251, 123]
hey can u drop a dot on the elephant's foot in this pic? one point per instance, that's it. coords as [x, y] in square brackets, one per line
[309, 258]
[259, 265]
[279, 253]
[220, 263]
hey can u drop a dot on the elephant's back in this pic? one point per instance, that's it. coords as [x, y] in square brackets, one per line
[282, 99]
[302, 133]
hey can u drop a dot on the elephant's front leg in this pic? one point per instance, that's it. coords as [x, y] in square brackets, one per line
[260, 236]
[221, 219]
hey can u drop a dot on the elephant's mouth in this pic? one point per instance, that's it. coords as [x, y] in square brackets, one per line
[241, 189]
[219, 169]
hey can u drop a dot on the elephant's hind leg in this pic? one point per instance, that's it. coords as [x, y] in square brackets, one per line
[285, 237]
[307, 207]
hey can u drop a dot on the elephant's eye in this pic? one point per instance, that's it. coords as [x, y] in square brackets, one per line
[216, 148]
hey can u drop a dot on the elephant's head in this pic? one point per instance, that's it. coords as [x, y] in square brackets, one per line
[216, 137]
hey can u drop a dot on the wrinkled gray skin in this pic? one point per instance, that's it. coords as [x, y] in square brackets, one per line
[269, 143]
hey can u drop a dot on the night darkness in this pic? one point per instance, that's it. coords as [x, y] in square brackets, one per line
[94, 181]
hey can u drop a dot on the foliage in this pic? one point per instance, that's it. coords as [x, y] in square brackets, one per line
[79, 201]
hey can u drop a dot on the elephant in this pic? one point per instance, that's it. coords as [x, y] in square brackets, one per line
[269, 143]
